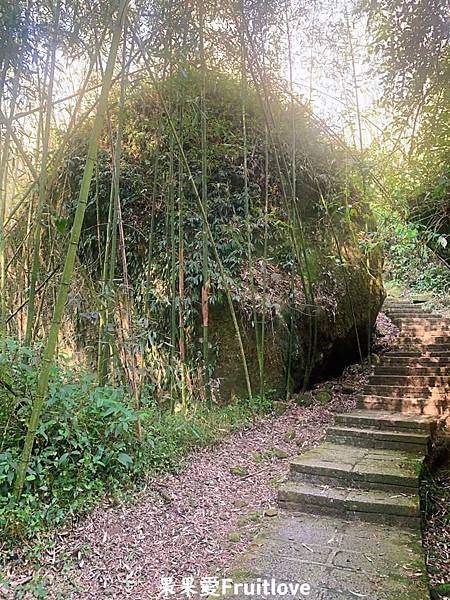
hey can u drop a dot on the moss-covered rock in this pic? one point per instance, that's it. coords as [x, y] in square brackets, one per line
[314, 276]
[441, 592]
[239, 471]
[234, 536]
[279, 407]
[303, 399]
[323, 397]
[325, 338]
[279, 453]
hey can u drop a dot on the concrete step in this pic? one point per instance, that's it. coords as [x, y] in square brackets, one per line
[423, 344]
[426, 338]
[412, 307]
[393, 354]
[381, 439]
[391, 302]
[411, 406]
[424, 316]
[420, 314]
[426, 348]
[359, 468]
[397, 391]
[414, 353]
[410, 380]
[416, 315]
[420, 361]
[368, 505]
[426, 333]
[410, 321]
[414, 370]
[426, 324]
[414, 320]
[412, 312]
[404, 305]
[422, 339]
[386, 420]
[440, 336]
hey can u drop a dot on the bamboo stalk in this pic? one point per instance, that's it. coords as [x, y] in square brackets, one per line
[363, 176]
[103, 355]
[35, 267]
[170, 234]
[246, 193]
[152, 230]
[112, 232]
[205, 244]
[262, 382]
[3, 211]
[292, 212]
[49, 353]
[203, 212]
[132, 371]
[181, 298]
[296, 223]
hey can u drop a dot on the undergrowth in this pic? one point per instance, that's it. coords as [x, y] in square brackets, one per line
[410, 262]
[86, 446]
[435, 503]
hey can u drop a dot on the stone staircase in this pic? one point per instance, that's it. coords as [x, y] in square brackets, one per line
[368, 468]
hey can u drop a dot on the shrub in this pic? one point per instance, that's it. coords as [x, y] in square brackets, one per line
[85, 446]
[409, 261]
[85, 439]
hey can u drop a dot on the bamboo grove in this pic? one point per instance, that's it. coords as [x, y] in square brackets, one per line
[162, 194]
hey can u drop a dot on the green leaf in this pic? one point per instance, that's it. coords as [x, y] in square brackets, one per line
[125, 459]
[61, 225]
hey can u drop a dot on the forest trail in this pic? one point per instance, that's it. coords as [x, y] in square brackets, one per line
[355, 529]
[191, 523]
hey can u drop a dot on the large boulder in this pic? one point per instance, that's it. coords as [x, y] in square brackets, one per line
[304, 263]
[303, 342]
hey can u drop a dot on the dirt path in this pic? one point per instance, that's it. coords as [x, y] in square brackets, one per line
[194, 523]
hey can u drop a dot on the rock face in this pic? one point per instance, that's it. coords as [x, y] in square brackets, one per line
[300, 260]
[325, 338]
